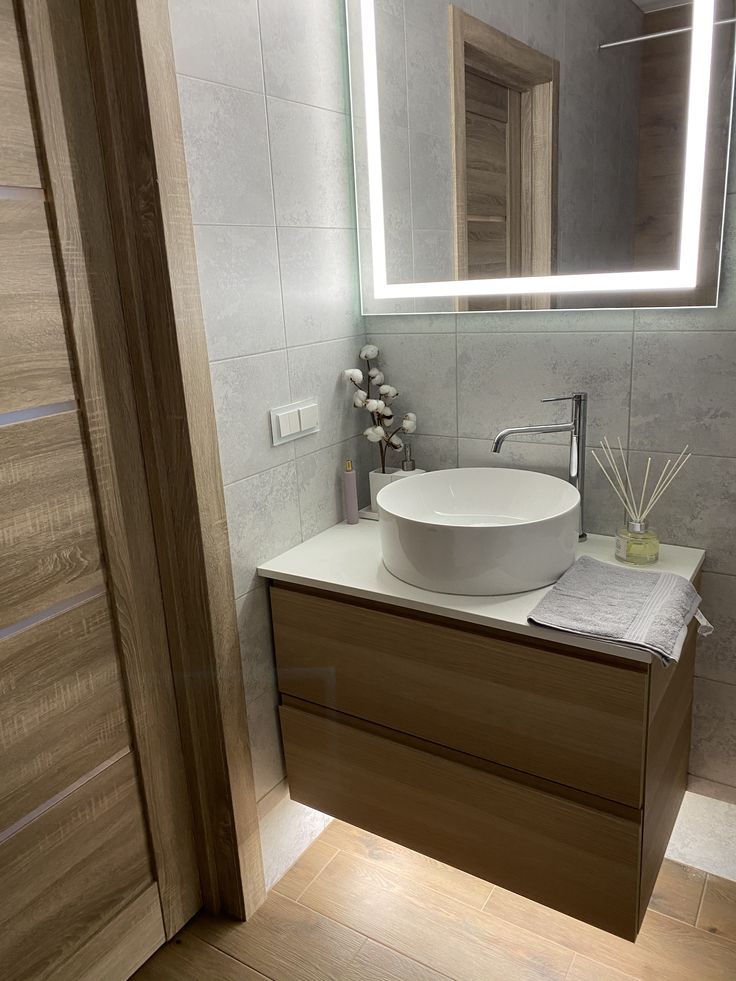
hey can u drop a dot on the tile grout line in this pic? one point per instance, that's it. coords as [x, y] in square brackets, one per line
[700, 903]
[261, 93]
[319, 873]
[226, 953]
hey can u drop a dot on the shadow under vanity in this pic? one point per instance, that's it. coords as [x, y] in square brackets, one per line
[550, 764]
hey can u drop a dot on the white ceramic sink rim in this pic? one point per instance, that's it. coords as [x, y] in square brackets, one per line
[480, 531]
[402, 498]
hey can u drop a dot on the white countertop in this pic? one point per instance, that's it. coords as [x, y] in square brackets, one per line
[347, 559]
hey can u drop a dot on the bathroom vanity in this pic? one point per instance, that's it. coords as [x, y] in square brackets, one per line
[549, 764]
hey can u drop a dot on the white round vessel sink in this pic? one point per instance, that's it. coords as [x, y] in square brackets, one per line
[479, 532]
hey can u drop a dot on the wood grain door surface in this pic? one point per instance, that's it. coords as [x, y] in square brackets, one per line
[97, 864]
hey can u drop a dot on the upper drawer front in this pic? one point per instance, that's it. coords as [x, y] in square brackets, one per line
[577, 722]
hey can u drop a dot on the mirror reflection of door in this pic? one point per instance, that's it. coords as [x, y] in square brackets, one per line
[505, 120]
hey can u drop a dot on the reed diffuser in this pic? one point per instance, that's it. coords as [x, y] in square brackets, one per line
[636, 542]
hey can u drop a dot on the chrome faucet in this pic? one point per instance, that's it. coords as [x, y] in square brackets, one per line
[577, 429]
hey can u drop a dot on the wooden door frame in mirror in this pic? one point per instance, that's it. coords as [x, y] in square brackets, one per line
[537, 76]
[152, 270]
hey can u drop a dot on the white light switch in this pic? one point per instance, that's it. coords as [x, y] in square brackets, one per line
[309, 417]
[289, 422]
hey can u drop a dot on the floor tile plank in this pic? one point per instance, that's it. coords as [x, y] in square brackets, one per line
[665, 949]
[584, 969]
[437, 931]
[718, 912]
[374, 962]
[187, 958]
[427, 871]
[677, 891]
[285, 941]
[307, 867]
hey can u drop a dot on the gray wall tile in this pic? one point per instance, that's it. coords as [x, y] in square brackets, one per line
[304, 52]
[218, 40]
[240, 288]
[263, 521]
[557, 321]
[713, 746]
[256, 642]
[227, 154]
[433, 452]
[684, 391]
[312, 166]
[440, 323]
[422, 367]
[316, 369]
[244, 389]
[502, 377]
[266, 749]
[717, 653]
[287, 829]
[698, 509]
[320, 484]
[318, 273]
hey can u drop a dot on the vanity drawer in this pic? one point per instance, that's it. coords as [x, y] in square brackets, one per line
[565, 854]
[574, 718]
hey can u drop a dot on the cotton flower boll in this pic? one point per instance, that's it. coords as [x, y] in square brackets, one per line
[374, 434]
[369, 352]
[359, 399]
[411, 415]
[396, 443]
[375, 405]
[389, 390]
[409, 425]
[376, 376]
[386, 411]
[354, 375]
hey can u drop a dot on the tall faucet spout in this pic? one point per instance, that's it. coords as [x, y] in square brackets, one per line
[563, 427]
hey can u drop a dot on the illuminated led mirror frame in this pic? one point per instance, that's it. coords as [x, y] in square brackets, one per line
[685, 277]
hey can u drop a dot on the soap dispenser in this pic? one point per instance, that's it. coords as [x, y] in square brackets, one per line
[408, 466]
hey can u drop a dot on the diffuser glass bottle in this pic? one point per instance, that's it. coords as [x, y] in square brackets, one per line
[637, 543]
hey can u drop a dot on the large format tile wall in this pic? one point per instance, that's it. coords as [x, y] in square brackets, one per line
[264, 104]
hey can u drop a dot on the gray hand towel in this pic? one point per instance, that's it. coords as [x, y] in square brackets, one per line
[650, 610]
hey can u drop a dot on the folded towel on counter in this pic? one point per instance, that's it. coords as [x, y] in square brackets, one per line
[650, 610]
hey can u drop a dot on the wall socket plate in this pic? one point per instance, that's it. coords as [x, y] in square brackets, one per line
[290, 422]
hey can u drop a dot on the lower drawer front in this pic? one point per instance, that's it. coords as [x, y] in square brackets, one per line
[558, 852]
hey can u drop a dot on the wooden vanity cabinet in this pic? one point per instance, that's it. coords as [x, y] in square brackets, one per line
[552, 771]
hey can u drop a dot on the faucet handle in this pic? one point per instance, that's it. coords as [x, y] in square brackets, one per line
[576, 396]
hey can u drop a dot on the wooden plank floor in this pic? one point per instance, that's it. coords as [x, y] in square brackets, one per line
[358, 908]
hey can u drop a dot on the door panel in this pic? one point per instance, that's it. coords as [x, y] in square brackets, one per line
[34, 361]
[95, 798]
[50, 550]
[70, 871]
[18, 160]
[62, 706]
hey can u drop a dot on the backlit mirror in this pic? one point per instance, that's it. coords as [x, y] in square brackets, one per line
[540, 154]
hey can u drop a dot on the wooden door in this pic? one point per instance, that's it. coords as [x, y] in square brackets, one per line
[97, 860]
[504, 121]
[493, 184]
